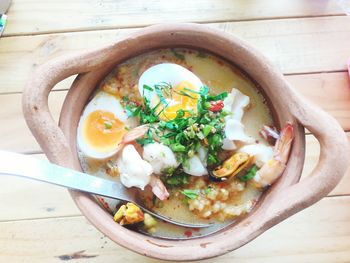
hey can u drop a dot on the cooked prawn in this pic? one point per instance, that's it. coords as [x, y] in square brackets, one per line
[158, 188]
[274, 168]
[135, 133]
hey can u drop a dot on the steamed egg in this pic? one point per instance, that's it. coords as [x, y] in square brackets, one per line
[101, 126]
[154, 85]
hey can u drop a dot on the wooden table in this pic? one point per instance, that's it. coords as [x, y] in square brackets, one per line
[308, 40]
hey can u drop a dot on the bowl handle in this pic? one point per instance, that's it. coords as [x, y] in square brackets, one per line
[35, 101]
[332, 165]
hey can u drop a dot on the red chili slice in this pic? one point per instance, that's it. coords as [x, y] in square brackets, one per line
[216, 106]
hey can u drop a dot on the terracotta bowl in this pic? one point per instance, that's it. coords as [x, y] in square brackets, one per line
[283, 199]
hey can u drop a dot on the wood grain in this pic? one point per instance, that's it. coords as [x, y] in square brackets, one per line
[55, 16]
[320, 232]
[293, 45]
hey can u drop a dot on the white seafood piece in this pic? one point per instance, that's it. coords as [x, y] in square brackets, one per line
[159, 156]
[235, 103]
[228, 145]
[261, 152]
[195, 167]
[203, 155]
[134, 171]
[234, 130]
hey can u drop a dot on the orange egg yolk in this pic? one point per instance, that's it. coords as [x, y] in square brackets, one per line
[103, 131]
[181, 101]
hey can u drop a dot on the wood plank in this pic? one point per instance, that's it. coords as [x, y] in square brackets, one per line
[331, 92]
[318, 234]
[28, 199]
[293, 45]
[55, 16]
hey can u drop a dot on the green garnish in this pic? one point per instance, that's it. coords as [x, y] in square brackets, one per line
[177, 147]
[189, 193]
[177, 54]
[189, 130]
[169, 171]
[147, 88]
[177, 180]
[147, 139]
[207, 190]
[250, 174]
[108, 125]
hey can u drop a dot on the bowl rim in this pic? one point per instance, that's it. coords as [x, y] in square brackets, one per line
[289, 106]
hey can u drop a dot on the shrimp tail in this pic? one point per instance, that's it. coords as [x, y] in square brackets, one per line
[158, 188]
[135, 134]
[275, 167]
[284, 143]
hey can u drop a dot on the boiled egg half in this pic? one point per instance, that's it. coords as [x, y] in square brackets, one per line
[171, 87]
[101, 126]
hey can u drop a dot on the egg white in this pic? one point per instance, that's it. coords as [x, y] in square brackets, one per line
[169, 73]
[105, 102]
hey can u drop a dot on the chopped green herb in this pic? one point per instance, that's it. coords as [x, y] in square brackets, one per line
[169, 171]
[177, 147]
[148, 88]
[207, 129]
[207, 190]
[108, 125]
[189, 130]
[250, 174]
[189, 193]
[220, 96]
[177, 180]
[147, 139]
[177, 54]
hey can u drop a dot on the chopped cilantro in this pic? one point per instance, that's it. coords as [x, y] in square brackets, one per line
[207, 190]
[250, 174]
[189, 130]
[108, 125]
[147, 88]
[177, 180]
[190, 193]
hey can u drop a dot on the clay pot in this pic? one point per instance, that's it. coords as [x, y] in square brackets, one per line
[283, 199]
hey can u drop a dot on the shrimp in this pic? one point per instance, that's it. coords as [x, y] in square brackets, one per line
[134, 134]
[274, 168]
[158, 188]
[131, 136]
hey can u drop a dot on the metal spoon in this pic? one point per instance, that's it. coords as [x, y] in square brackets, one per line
[28, 167]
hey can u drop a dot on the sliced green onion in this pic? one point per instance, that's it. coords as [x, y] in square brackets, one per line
[189, 193]
[250, 174]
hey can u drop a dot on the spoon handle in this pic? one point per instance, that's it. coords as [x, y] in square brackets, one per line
[25, 166]
[28, 167]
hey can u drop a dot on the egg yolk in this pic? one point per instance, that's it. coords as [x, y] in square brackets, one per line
[182, 99]
[103, 131]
